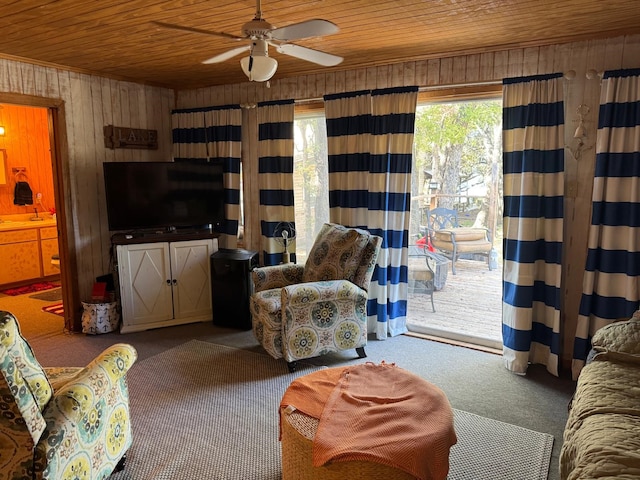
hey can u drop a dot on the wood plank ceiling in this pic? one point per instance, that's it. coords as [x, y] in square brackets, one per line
[119, 39]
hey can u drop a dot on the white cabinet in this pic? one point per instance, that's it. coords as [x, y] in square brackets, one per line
[165, 283]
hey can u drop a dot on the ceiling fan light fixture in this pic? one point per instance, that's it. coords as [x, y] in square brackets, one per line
[259, 68]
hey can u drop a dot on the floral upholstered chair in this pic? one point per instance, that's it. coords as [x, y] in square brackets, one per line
[303, 311]
[61, 423]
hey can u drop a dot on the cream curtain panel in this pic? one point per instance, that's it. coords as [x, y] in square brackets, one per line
[533, 163]
[275, 175]
[611, 285]
[370, 146]
[214, 134]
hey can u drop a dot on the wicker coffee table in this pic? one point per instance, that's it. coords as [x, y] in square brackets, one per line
[298, 431]
[408, 436]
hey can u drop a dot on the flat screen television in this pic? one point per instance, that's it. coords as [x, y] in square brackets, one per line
[163, 196]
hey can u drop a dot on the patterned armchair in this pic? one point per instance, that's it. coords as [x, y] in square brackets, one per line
[61, 423]
[305, 311]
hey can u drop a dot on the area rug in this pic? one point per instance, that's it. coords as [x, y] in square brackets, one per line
[34, 287]
[209, 412]
[488, 448]
[56, 309]
[48, 295]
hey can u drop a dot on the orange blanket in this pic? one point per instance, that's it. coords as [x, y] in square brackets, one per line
[377, 413]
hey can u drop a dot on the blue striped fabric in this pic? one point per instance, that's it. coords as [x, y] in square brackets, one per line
[189, 134]
[275, 175]
[370, 138]
[611, 286]
[533, 168]
[214, 134]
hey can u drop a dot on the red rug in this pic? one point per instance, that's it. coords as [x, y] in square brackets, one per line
[34, 287]
[56, 308]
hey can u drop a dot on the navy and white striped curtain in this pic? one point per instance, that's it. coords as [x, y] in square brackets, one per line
[275, 175]
[611, 285]
[189, 134]
[348, 117]
[533, 162]
[224, 143]
[214, 134]
[370, 143]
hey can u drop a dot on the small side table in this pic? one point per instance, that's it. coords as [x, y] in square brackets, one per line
[231, 287]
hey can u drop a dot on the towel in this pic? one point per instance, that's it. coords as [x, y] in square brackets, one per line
[22, 195]
[377, 413]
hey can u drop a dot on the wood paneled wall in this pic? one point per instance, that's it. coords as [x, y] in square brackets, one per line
[26, 142]
[90, 103]
[608, 54]
[467, 70]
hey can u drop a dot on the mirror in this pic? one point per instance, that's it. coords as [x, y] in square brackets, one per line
[4, 180]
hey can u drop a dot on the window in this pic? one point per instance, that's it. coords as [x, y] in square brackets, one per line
[310, 179]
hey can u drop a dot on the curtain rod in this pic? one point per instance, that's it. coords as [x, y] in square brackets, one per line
[568, 75]
[420, 89]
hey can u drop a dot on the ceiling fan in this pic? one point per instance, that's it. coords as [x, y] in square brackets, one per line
[259, 66]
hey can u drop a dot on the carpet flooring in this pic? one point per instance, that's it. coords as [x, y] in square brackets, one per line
[207, 411]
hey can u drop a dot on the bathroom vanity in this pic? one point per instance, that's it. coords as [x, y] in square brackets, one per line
[26, 248]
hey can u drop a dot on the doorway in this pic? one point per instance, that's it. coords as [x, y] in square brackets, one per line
[458, 167]
[45, 181]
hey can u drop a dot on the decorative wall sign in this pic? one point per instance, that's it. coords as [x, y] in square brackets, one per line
[123, 137]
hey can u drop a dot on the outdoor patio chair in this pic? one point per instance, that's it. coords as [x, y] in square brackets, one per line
[422, 271]
[448, 237]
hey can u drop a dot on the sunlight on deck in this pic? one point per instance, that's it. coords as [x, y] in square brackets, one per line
[468, 307]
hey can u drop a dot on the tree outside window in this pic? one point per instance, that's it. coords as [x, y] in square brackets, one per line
[310, 179]
[458, 149]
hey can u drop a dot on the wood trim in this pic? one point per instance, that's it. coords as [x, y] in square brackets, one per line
[435, 94]
[454, 93]
[60, 162]
[30, 100]
[66, 242]
[309, 106]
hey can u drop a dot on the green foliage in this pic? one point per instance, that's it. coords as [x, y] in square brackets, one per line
[454, 140]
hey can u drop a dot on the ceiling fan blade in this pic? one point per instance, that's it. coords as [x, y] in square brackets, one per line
[308, 54]
[197, 30]
[308, 29]
[227, 55]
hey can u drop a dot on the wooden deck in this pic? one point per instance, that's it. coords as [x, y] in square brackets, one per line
[468, 307]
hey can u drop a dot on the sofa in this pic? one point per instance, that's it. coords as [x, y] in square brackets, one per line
[602, 434]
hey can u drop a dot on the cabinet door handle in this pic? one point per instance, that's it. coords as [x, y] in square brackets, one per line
[175, 281]
[168, 281]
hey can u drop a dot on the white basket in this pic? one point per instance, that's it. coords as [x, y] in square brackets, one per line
[99, 317]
